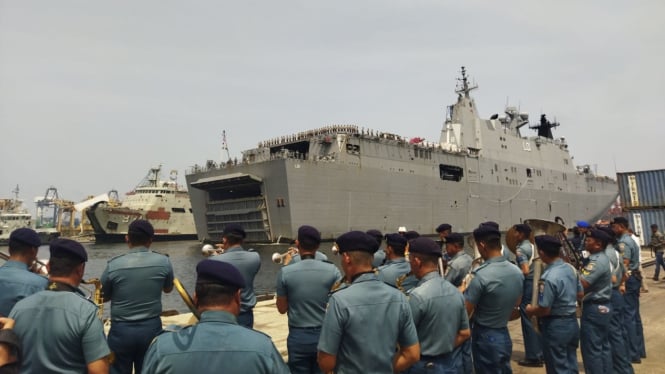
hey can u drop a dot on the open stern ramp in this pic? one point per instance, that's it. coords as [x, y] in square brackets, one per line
[234, 198]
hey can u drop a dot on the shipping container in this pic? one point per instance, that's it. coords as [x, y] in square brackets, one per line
[642, 189]
[641, 221]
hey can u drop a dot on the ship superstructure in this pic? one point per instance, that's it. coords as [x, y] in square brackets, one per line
[165, 204]
[342, 177]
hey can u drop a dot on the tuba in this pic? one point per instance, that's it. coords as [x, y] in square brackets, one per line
[97, 296]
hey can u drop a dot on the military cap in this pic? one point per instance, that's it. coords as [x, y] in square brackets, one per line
[608, 230]
[396, 240]
[411, 234]
[68, 248]
[582, 224]
[522, 228]
[213, 271]
[425, 246]
[443, 227]
[620, 220]
[376, 234]
[455, 238]
[234, 229]
[491, 224]
[548, 243]
[486, 231]
[24, 236]
[654, 226]
[141, 226]
[308, 234]
[600, 235]
[356, 241]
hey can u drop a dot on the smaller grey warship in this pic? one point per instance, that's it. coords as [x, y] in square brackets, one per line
[341, 177]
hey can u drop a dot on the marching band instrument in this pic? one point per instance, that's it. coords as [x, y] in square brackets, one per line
[37, 267]
[208, 250]
[284, 258]
[540, 227]
[186, 298]
[97, 296]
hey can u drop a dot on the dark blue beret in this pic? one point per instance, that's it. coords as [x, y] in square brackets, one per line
[486, 231]
[491, 224]
[548, 242]
[396, 240]
[620, 220]
[356, 241]
[600, 235]
[411, 234]
[608, 230]
[219, 272]
[524, 229]
[24, 236]
[67, 248]
[424, 246]
[454, 237]
[443, 227]
[234, 229]
[308, 234]
[376, 234]
[141, 226]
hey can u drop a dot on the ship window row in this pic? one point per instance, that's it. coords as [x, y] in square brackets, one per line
[178, 210]
[15, 218]
[155, 192]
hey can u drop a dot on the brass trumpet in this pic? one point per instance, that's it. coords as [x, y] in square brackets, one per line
[208, 250]
[97, 296]
[284, 258]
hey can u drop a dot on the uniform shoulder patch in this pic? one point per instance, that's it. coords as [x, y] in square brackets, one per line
[588, 268]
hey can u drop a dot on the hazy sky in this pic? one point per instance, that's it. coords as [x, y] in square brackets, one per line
[93, 94]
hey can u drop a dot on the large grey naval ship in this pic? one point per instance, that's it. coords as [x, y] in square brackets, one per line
[340, 178]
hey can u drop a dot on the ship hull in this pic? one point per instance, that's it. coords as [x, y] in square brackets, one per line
[120, 238]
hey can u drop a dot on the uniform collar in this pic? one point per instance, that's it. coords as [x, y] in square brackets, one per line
[395, 261]
[495, 259]
[16, 265]
[234, 249]
[525, 240]
[218, 316]
[459, 254]
[558, 261]
[431, 275]
[365, 276]
[138, 249]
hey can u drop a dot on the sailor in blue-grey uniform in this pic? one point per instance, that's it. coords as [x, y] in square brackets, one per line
[558, 290]
[59, 329]
[596, 278]
[380, 254]
[134, 282]
[443, 230]
[438, 312]
[247, 262]
[533, 346]
[302, 291]
[16, 281]
[396, 271]
[459, 263]
[217, 344]
[618, 334]
[353, 339]
[491, 296]
[505, 252]
[631, 259]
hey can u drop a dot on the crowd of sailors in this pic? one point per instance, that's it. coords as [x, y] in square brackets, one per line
[402, 303]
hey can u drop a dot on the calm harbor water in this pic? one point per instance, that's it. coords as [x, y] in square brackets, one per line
[184, 256]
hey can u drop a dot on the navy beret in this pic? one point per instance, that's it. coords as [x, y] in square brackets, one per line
[486, 231]
[141, 226]
[234, 229]
[308, 234]
[443, 227]
[600, 235]
[522, 228]
[220, 272]
[376, 234]
[548, 242]
[491, 224]
[454, 237]
[356, 241]
[608, 230]
[68, 248]
[582, 224]
[396, 240]
[24, 236]
[621, 221]
[411, 234]
[424, 246]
